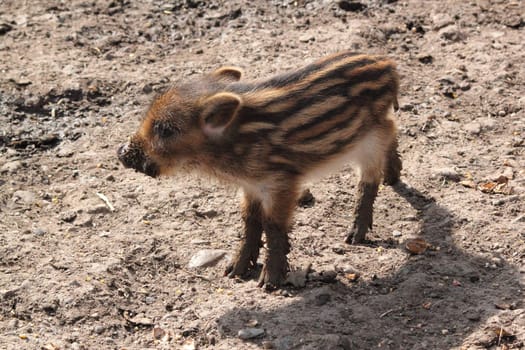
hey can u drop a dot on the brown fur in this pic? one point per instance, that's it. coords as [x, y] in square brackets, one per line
[268, 136]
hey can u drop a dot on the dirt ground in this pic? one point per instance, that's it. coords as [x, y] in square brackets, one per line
[95, 256]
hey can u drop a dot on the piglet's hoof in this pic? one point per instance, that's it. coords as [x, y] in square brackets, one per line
[238, 269]
[357, 235]
[272, 279]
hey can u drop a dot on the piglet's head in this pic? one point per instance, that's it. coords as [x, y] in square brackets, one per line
[184, 125]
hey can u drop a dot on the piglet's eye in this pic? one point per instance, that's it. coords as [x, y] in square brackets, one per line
[165, 130]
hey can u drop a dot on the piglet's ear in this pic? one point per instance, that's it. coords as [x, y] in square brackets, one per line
[218, 112]
[227, 73]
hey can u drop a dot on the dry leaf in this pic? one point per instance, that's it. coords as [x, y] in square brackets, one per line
[352, 277]
[468, 183]
[417, 245]
[427, 305]
[502, 333]
[487, 187]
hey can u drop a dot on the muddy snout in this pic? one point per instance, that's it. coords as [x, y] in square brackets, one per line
[133, 157]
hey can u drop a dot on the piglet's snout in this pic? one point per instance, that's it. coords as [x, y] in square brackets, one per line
[122, 150]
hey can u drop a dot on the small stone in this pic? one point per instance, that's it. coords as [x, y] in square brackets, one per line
[474, 278]
[473, 315]
[11, 167]
[447, 174]
[464, 85]
[452, 33]
[149, 300]
[25, 197]
[39, 231]
[497, 261]
[473, 128]
[5, 28]
[84, 220]
[322, 299]
[209, 214]
[444, 331]
[306, 38]
[250, 333]
[268, 345]
[158, 333]
[13, 324]
[110, 177]
[68, 216]
[508, 172]
[306, 199]
[396, 233]
[65, 151]
[352, 6]
[441, 20]
[98, 209]
[323, 276]
[147, 89]
[99, 329]
[425, 59]
[297, 278]
[206, 258]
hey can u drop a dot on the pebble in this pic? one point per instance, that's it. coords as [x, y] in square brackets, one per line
[448, 174]
[268, 345]
[322, 299]
[396, 233]
[98, 209]
[464, 85]
[473, 128]
[68, 216]
[84, 220]
[306, 38]
[249, 333]
[99, 329]
[25, 197]
[297, 278]
[351, 6]
[11, 167]
[497, 261]
[473, 315]
[206, 258]
[13, 324]
[441, 20]
[65, 151]
[507, 199]
[508, 172]
[158, 333]
[39, 231]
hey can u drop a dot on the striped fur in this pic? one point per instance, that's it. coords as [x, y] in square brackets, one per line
[268, 136]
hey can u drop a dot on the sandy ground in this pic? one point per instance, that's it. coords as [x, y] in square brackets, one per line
[94, 256]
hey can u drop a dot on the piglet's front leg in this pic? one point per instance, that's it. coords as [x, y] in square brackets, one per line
[276, 224]
[246, 258]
